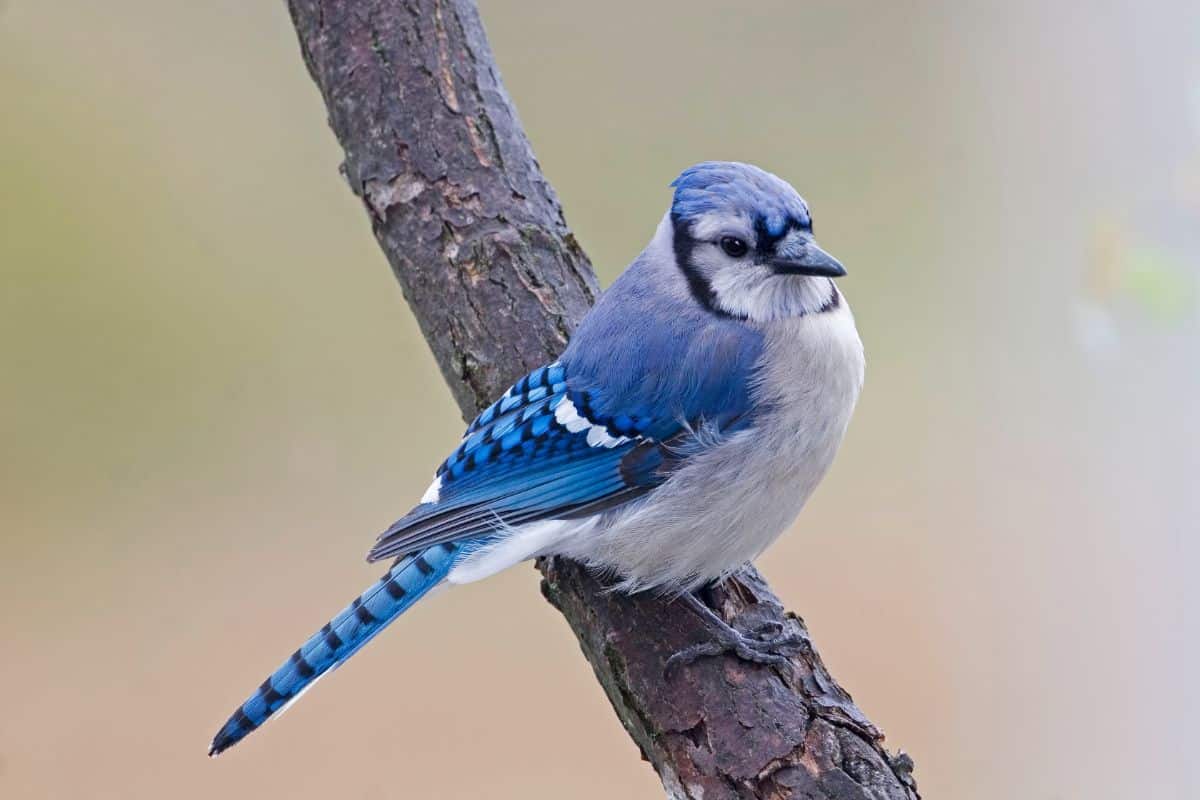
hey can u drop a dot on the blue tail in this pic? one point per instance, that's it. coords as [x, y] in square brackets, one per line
[405, 583]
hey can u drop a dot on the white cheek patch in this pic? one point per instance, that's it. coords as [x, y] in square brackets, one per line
[597, 436]
[758, 294]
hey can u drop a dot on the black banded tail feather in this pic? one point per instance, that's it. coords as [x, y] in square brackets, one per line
[407, 581]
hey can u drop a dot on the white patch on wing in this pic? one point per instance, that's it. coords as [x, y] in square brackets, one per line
[597, 435]
[434, 492]
[569, 418]
[522, 543]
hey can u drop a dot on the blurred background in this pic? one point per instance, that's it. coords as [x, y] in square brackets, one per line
[212, 395]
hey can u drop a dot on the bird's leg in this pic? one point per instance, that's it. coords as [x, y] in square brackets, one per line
[769, 645]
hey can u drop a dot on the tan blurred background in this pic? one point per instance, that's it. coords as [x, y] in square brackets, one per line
[212, 395]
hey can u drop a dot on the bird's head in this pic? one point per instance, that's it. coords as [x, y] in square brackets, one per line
[744, 239]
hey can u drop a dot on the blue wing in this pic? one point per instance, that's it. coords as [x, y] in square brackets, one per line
[533, 454]
[595, 429]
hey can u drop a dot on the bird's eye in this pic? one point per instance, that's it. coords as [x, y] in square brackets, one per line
[733, 246]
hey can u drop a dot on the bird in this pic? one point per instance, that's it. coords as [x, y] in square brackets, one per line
[692, 414]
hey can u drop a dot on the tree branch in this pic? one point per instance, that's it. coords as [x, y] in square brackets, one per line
[477, 239]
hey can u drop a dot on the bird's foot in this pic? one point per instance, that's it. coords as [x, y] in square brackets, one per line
[776, 651]
[766, 643]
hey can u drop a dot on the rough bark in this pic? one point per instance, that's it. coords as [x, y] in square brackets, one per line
[477, 239]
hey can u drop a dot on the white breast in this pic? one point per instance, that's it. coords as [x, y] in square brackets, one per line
[726, 505]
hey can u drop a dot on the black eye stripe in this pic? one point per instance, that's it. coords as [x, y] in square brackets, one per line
[700, 288]
[765, 241]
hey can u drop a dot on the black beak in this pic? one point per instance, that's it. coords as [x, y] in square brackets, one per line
[812, 260]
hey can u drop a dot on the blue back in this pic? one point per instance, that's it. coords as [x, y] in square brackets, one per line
[659, 356]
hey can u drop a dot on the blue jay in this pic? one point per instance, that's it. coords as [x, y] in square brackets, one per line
[694, 411]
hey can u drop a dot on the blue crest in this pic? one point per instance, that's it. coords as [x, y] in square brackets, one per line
[729, 186]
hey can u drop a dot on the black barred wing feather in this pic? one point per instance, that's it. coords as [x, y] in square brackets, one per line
[534, 454]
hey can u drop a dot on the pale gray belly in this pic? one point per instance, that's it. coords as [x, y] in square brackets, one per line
[716, 513]
[729, 502]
